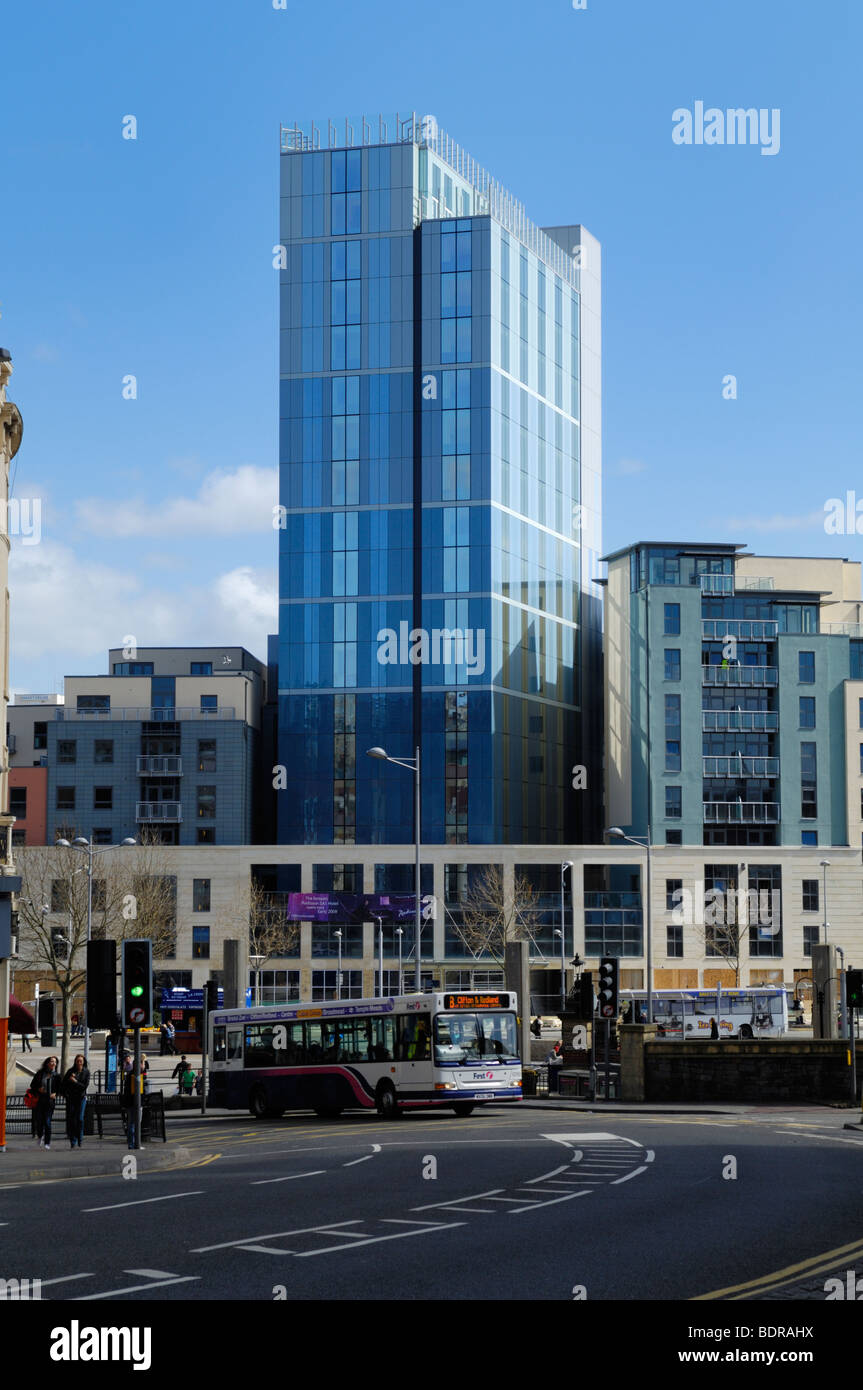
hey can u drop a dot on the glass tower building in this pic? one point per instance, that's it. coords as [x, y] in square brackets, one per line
[440, 463]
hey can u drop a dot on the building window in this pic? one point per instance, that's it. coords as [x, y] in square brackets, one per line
[103, 798]
[810, 939]
[672, 755]
[807, 712]
[345, 192]
[674, 941]
[59, 895]
[325, 984]
[40, 732]
[456, 769]
[87, 702]
[673, 803]
[201, 943]
[672, 663]
[19, 839]
[672, 619]
[809, 837]
[810, 895]
[856, 660]
[103, 750]
[201, 895]
[337, 878]
[672, 886]
[209, 702]
[206, 755]
[18, 802]
[276, 986]
[65, 798]
[808, 782]
[205, 835]
[103, 835]
[345, 304]
[860, 713]
[674, 837]
[806, 667]
[765, 910]
[67, 750]
[132, 668]
[201, 668]
[206, 803]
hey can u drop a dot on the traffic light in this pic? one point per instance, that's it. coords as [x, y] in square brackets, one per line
[608, 1005]
[136, 989]
[854, 988]
[101, 984]
[211, 991]
[59, 944]
[583, 1001]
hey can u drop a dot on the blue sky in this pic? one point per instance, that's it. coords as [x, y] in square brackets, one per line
[153, 257]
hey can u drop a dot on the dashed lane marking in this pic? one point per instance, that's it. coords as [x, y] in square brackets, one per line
[144, 1201]
[292, 1177]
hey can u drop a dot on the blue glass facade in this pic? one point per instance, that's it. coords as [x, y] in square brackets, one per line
[431, 579]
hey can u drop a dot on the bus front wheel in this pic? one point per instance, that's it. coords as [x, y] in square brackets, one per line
[258, 1103]
[463, 1109]
[386, 1102]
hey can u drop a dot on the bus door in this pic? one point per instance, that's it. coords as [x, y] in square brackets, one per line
[234, 1047]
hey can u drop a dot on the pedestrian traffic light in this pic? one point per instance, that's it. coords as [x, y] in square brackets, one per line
[59, 944]
[136, 989]
[854, 988]
[608, 1005]
[101, 984]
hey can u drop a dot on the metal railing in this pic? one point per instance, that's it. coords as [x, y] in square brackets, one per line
[715, 583]
[741, 812]
[158, 811]
[739, 675]
[744, 629]
[754, 581]
[843, 629]
[159, 715]
[720, 721]
[740, 765]
[165, 764]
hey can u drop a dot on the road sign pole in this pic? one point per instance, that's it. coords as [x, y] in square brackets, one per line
[608, 1059]
[137, 1080]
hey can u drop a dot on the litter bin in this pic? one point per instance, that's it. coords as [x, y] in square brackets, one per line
[48, 1037]
[554, 1070]
[528, 1083]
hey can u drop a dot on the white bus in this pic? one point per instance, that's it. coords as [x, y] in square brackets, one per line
[417, 1051]
[759, 1011]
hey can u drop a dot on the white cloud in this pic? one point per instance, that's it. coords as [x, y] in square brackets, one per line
[225, 504]
[67, 610]
[777, 522]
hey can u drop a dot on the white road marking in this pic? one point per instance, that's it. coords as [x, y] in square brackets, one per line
[272, 1235]
[137, 1288]
[634, 1174]
[568, 1198]
[144, 1201]
[589, 1139]
[315, 1172]
[517, 1201]
[354, 1161]
[834, 1138]
[376, 1240]
[562, 1169]
[468, 1197]
[64, 1279]
[649, 1156]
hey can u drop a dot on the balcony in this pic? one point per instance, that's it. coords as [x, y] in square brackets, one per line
[162, 765]
[748, 582]
[741, 812]
[731, 721]
[740, 765]
[716, 583]
[158, 811]
[743, 629]
[739, 675]
[160, 715]
[843, 629]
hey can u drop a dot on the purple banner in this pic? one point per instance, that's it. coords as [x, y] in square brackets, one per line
[351, 907]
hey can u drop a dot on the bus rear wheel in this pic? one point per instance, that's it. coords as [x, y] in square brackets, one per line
[386, 1102]
[258, 1103]
[463, 1109]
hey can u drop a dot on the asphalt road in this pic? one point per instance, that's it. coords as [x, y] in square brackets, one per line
[509, 1203]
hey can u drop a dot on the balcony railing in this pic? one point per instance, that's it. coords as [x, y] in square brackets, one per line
[744, 629]
[728, 721]
[739, 675]
[716, 583]
[734, 765]
[160, 764]
[741, 812]
[160, 715]
[843, 629]
[158, 811]
[754, 581]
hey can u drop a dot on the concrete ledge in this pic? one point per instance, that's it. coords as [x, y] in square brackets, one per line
[19, 1167]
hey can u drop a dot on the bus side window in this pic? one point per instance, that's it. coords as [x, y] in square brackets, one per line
[219, 1044]
[413, 1038]
[314, 1045]
[235, 1045]
[383, 1039]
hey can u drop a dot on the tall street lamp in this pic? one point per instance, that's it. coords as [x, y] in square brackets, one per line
[400, 933]
[413, 765]
[825, 865]
[256, 962]
[643, 842]
[567, 864]
[380, 922]
[338, 935]
[84, 846]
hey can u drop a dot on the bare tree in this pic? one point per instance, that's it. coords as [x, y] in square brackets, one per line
[259, 917]
[490, 919]
[133, 896]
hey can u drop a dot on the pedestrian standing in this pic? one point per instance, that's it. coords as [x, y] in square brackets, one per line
[75, 1084]
[45, 1087]
[25, 1043]
[172, 1047]
[714, 1030]
[178, 1073]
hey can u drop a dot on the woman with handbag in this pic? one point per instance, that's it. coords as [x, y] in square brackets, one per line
[44, 1087]
[75, 1084]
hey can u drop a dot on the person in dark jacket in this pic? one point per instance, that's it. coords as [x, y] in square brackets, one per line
[75, 1084]
[45, 1086]
[714, 1030]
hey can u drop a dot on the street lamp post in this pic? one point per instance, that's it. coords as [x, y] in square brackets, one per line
[257, 961]
[567, 864]
[380, 922]
[825, 865]
[400, 934]
[82, 844]
[646, 846]
[338, 936]
[413, 765]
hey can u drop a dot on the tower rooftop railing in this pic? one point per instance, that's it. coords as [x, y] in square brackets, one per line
[492, 198]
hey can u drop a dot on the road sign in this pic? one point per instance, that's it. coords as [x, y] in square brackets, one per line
[136, 1016]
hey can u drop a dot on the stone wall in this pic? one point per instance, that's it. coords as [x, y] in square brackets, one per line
[760, 1070]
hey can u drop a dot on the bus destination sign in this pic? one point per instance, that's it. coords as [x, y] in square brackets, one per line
[476, 1001]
